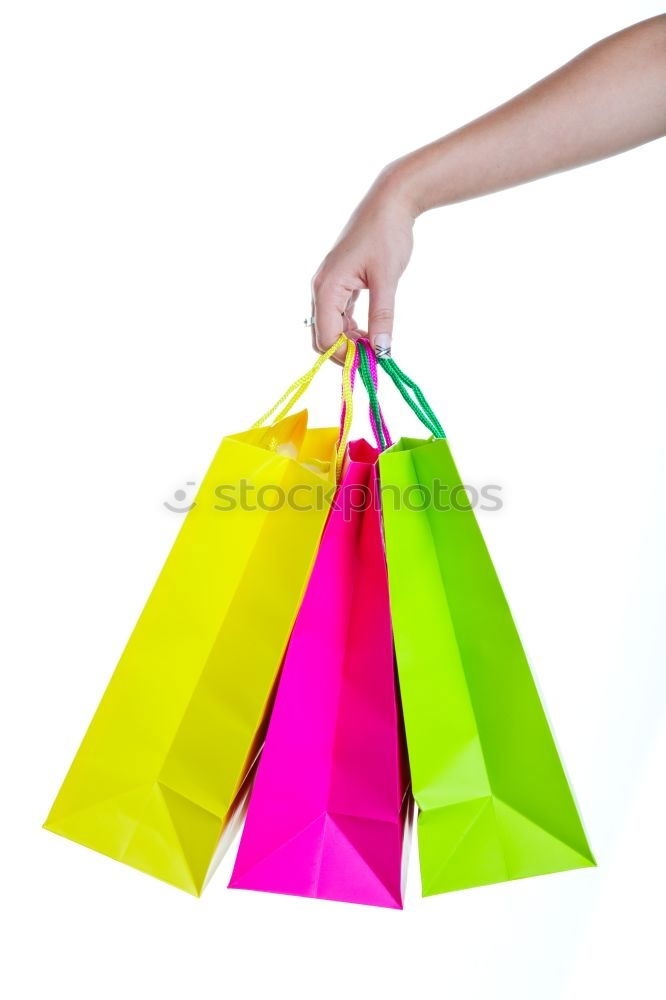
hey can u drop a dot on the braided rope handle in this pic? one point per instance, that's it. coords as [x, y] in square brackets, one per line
[368, 370]
[417, 402]
[282, 407]
[365, 364]
[297, 388]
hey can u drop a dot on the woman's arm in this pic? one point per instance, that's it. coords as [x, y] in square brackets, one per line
[609, 99]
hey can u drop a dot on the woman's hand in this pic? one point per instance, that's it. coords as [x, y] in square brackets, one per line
[371, 252]
[610, 98]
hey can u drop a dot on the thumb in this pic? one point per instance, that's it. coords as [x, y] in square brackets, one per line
[380, 316]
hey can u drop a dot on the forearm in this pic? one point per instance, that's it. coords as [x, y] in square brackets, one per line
[610, 98]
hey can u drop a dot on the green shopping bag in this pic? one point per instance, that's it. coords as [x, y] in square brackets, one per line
[494, 801]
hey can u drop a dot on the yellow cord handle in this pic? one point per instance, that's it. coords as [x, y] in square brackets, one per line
[297, 388]
[347, 407]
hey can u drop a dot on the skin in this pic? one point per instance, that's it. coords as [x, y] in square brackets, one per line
[609, 99]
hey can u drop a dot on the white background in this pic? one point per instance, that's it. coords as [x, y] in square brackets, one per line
[172, 174]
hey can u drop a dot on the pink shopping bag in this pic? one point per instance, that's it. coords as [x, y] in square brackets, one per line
[328, 810]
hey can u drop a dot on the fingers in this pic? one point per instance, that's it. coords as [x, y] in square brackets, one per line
[332, 309]
[350, 326]
[380, 315]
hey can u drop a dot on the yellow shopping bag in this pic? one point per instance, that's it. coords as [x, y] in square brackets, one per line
[161, 769]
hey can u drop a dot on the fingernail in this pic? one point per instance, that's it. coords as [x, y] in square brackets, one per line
[382, 344]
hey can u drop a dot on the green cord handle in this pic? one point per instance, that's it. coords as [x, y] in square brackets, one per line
[420, 405]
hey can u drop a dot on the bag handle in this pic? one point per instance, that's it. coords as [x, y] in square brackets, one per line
[419, 404]
[368, 371]
[299, 386]
[364, 362]
[350, 364]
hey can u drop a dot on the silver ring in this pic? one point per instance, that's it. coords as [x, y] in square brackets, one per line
[309, 322]
[382, 352]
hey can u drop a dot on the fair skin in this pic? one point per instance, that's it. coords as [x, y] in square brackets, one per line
[609, 99]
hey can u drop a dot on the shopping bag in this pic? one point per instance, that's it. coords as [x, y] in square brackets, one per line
[494, 801]
[162, 767]
[329, 803]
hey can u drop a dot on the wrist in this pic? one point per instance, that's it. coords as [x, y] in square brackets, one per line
[396, 189]
[403, 183]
